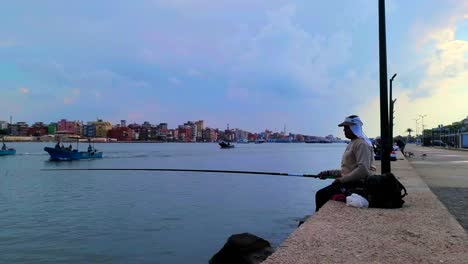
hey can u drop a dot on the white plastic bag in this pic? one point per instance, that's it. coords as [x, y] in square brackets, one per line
[357, 200]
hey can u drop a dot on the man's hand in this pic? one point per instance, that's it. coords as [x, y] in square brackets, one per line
[327, 174]
[324, 174]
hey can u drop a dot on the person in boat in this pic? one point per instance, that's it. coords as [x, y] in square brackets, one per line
[4, 147]
[70, 147]
[57, 146]
[61, 146]
[356, 164]
[90, 148]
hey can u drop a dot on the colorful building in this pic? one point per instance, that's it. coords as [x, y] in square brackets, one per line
[52, 128]
[210, 135]
[19, 129]
[121, 133]
[102, 127]
[199, 132]
[193, 130]
[38, 130]
[89, 130]
[185, 133]
[69, 127]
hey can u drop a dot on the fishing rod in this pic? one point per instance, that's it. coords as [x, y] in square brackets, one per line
[194, 170]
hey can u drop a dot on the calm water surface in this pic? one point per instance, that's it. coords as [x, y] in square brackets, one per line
[153, 217]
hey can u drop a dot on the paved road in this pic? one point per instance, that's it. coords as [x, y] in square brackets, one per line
[446, 173]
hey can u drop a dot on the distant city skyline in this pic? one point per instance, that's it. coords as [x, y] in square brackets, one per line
[253, 64]
[170, 126]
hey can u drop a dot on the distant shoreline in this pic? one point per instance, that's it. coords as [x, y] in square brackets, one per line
[19, 139]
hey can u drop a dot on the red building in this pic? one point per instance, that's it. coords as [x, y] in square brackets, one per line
[121, 133]
[252, 137]
[185, 133]
[37, 130]
[210, 135]
[299, 138]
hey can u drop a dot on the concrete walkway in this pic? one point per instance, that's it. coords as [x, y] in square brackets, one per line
[446, 172]
[423, 231]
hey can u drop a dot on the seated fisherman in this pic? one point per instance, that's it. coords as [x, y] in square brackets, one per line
[356, 164]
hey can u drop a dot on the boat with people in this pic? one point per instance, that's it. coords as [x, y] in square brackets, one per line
[61, 153]
[226, 145]
[260, 141]
[6, 151]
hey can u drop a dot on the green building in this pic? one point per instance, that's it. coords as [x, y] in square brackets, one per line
[52, 128]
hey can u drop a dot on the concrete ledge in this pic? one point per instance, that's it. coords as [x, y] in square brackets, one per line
[423, 231]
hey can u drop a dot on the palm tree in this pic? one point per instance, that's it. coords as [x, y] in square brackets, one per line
[409, 130]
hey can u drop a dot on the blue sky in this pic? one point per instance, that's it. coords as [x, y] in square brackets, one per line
[253, 64]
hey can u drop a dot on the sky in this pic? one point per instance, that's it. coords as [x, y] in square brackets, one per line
[252, 64]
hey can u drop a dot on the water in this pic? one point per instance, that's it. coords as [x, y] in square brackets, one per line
[153, 217]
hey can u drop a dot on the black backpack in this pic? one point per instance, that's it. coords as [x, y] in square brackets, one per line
[384, 191]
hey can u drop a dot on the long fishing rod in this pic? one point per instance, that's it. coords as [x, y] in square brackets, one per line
[193, 170]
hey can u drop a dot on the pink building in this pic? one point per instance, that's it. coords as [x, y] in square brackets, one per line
[65, 127]
[185, 133]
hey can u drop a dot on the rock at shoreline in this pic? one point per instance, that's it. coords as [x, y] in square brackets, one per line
[303, 220]
[243, 248]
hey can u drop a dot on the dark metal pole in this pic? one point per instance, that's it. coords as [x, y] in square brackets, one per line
[385, 159]
[392, 107]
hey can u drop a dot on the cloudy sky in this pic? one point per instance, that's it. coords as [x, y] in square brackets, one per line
[254, 64]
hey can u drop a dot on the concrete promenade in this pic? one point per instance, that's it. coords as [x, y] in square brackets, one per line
[423, 231]
[445, 171]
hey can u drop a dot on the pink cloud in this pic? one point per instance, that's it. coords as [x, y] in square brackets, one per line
[24, 90]
[67, 101]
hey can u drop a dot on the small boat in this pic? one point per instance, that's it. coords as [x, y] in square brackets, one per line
[260, 141]
[226, 145]
[6, 151]
[9, 151]
[60, 153]
[66, 154]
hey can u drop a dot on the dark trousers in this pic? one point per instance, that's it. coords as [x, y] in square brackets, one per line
[325, 194]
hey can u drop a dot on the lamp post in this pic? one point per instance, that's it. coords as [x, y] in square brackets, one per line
[416, 124]
[422, 124]
[385, 159]
[392, 103]
[417, 129]
[441, 129]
